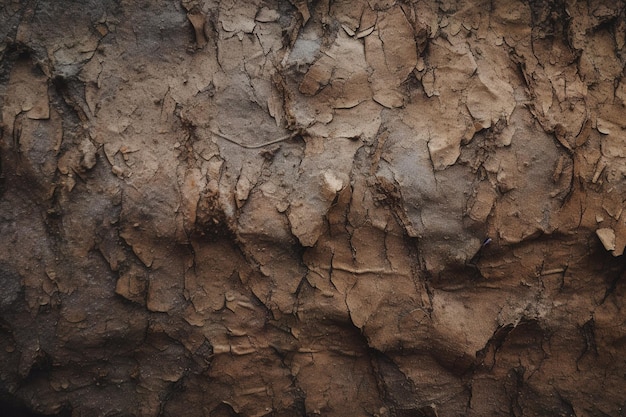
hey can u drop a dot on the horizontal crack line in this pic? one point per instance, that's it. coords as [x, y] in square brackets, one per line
[254, 146]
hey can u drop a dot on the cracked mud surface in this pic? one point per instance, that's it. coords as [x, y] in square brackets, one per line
[294, 208]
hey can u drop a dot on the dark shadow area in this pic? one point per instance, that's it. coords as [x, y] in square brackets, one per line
[12, 407]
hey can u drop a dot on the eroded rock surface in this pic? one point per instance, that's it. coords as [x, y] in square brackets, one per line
[290, 208]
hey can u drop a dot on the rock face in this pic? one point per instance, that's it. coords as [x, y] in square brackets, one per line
[294, 208]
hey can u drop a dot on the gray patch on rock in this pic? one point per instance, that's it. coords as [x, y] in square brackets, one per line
[10, 286]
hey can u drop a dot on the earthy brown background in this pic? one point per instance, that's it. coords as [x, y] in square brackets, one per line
[278, 208]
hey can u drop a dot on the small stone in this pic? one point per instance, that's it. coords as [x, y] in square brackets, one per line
[607, 237]
[603, 126]
[119, 171]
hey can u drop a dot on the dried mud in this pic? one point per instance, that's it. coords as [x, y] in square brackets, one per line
[295, 208]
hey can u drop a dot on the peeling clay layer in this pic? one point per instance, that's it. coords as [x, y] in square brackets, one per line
[293, 208]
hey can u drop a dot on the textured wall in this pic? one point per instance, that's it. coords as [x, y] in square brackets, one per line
[290, 208]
